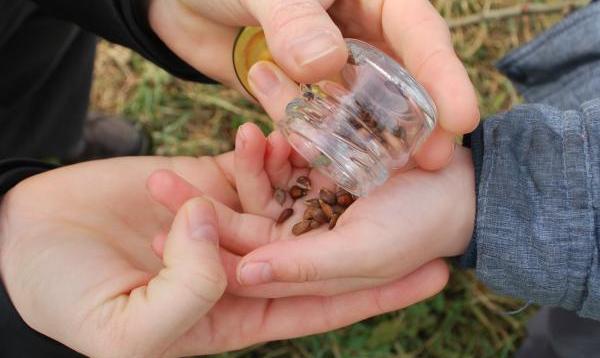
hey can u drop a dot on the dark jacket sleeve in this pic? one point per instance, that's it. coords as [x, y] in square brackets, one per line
[17, 339]
[124, 22]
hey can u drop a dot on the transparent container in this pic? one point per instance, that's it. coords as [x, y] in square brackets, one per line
[364, 124]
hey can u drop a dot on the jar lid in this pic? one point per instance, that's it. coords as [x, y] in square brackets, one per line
[250, 47]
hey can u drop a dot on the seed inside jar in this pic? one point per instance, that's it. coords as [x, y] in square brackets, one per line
[327, 196]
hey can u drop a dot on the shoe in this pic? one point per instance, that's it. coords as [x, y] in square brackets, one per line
[107, 136]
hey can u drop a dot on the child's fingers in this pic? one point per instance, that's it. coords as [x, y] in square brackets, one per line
[437, 150]
[158, 244]
[170, 190]
[238, 232]
[253, 185]
[297, 160]
[277, 161]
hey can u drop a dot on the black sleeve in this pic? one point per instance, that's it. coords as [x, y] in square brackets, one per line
[124, 22]
[17, 339]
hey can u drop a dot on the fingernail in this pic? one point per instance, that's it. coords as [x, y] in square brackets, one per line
[240, 138]
[199, 226]
[255, 273]
[312, 47]
[263, 79]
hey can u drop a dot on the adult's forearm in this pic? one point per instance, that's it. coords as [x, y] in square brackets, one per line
[123, 22]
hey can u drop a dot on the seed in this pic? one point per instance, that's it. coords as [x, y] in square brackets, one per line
[320, 216]
[399, 132]
[338, 209]
[297, 192]
[327, 209]
[309, 96]
[308, 213]
[333, 221]
[327, 196]
[279, 196]
[285, 214]
[344, 198]
[314, 224]
[304, 182]
[351, 59]
[312, 203]
[301, 227]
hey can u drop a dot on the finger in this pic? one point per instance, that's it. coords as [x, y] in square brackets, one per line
[170, 190]
[417, 33]
[158, 244]
[437, 150]
[298, 161]
[300, 316]
[188, 286]
[329, 255]
[277, 162]
[207, 45]
[273, 89]
[254, 187]
[301, 36]
[354, 250]
[239, 233]
[226, 164]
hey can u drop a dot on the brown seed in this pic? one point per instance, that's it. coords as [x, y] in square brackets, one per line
[312, 203]
[314, 224]
[279, 196]
[308, 96]
[333, 221]
[320, 216]
[308, 213]
[297, 192]
[285, 214]
[327, 196]
[315, 214]
[327, 209]
[351, 59]
[338, 209]
[344, 198]
[304, 182]
[301, 227]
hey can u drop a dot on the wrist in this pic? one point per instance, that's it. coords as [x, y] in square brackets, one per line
[474, 141]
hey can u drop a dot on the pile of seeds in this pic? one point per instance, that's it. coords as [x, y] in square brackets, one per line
[326, 209]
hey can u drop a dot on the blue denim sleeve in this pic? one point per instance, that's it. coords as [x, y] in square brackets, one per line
[538, 190]
[537, 169]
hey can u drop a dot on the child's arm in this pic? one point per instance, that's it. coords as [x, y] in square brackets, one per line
[537, 222]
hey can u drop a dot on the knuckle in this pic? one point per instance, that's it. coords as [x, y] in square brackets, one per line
[306, 271]
[205, 285]
[289, 12]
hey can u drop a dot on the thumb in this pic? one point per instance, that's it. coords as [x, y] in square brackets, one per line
[192, 280]
[302, 38]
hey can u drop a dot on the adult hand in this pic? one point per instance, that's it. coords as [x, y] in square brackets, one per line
[305, 38]
[77, 259]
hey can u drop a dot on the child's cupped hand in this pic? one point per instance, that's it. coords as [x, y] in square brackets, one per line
[415, 218]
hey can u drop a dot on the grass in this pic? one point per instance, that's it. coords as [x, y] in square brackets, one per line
[465, 320]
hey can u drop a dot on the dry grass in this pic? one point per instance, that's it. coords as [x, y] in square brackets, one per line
[465, 320]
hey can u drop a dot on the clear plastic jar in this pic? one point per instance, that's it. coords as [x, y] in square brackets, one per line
[364, 125]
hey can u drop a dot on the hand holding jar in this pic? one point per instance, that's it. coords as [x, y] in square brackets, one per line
[305, 39]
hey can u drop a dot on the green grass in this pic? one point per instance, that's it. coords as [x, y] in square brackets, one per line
[465, 320]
